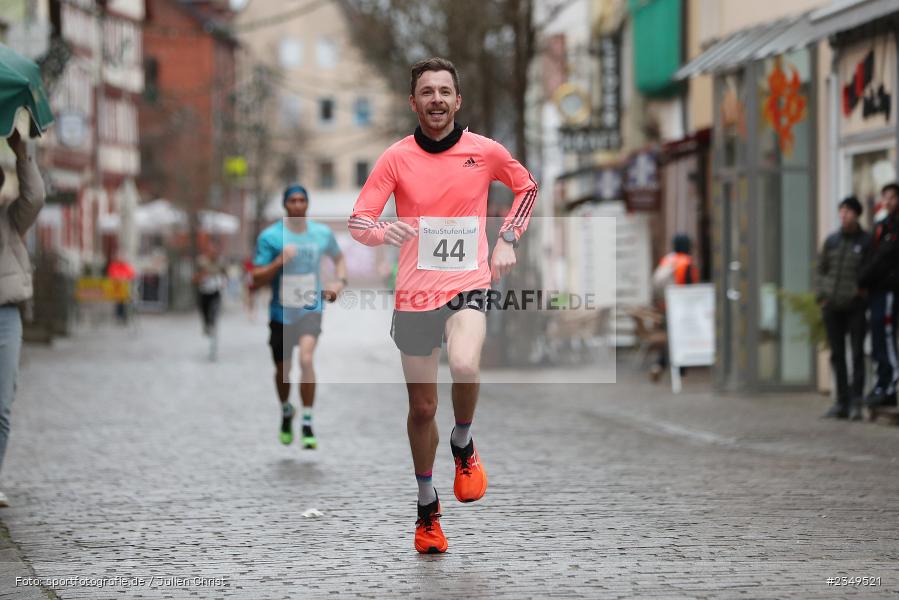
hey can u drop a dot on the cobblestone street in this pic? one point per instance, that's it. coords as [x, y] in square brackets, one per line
[133, 456]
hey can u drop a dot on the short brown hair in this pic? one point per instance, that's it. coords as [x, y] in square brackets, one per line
[433, 64]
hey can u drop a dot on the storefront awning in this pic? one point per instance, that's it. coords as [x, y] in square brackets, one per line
[657, 45]
[844, 15]
[783, 35]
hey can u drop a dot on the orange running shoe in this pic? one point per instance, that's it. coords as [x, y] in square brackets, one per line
[429, 538]
[471, 478]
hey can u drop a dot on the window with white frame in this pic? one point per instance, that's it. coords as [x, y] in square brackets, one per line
[290, 52]
[326, 53]
[118, 121]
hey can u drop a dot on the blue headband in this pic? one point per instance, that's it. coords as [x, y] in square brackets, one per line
[295, 188]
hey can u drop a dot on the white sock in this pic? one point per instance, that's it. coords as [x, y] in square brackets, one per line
[461, 434]
[426, 492]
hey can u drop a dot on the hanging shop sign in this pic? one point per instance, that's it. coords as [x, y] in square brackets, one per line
[573, 103]
[71, 129]
[609, 183]
[861, 90]
[610, 82]
[867, 73]
[582, 134]
[587, 140]
[642, 184]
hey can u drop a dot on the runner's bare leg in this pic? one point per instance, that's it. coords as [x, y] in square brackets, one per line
[281, 383]
[307, 370]
[421, 382]
[465, 333]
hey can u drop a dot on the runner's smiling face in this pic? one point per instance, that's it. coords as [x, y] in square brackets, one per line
[296, 205]
[435, 102]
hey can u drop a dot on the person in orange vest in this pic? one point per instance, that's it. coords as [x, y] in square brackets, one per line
[675, 268]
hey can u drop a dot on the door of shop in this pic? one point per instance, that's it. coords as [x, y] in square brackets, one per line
[735, 324]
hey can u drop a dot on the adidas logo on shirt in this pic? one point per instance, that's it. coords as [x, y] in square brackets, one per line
[470, 163]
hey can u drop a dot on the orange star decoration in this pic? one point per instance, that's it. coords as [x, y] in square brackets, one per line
[785, 106]
[733, 113]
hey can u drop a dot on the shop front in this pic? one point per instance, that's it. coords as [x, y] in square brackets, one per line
[770, 141]
[763, 207]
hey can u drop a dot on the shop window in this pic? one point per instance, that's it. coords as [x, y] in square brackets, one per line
[785, 93]
[731, 133]
[869, 171]
[784, 259]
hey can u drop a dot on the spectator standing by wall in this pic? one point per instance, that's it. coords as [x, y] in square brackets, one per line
[843, 306]
[880, 276]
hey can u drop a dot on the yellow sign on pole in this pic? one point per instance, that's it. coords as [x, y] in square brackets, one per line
[235, 167]
[102, 289]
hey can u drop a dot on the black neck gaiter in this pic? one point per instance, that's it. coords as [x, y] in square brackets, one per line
[434, 147]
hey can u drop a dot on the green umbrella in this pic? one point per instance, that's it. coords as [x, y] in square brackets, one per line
[21, 86]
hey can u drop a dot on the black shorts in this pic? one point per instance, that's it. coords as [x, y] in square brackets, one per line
[417, 333]
[308, 324]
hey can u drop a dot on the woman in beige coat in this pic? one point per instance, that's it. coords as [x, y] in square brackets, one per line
[15, 276]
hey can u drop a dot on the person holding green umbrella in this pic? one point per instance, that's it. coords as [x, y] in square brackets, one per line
[20, 87]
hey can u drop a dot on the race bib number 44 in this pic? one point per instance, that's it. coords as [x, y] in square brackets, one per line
[448, 244]
[298, 291]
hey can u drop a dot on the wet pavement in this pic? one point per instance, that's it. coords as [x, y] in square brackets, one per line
[134, 457]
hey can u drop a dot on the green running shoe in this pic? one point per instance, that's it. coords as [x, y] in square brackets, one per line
[309, 441]
[286, 434]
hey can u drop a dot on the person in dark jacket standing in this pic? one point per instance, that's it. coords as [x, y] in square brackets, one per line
[880, 276]
[843, 306]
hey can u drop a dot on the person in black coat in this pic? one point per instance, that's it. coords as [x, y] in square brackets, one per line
[843, 306]
[880, 276]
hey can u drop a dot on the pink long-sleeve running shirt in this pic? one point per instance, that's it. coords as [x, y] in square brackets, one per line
[443, 195]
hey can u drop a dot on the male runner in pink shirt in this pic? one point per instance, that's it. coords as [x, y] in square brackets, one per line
[440, 177]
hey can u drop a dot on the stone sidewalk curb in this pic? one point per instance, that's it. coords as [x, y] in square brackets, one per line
[12, 566]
